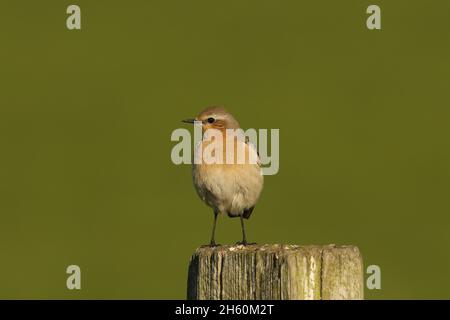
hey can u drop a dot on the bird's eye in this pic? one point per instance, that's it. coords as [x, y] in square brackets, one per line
[211, 120]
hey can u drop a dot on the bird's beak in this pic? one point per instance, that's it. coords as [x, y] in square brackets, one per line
[188, 121]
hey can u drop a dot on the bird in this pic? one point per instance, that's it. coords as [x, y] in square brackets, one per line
[231, 187]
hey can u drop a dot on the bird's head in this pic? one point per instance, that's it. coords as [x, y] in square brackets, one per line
[215, 118]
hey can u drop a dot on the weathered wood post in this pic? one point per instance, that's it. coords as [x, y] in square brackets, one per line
[274, 272]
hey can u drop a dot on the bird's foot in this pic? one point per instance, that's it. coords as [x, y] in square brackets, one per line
[245, 243]
[212, 244]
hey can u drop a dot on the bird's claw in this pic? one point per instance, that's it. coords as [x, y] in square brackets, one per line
[245, 243]
[211, 245]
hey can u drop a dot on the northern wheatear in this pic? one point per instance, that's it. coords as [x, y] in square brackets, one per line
[228, 187]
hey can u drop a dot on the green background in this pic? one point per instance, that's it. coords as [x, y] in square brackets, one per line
[86, 117]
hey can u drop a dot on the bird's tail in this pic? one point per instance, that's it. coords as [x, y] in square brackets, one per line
[248, 212]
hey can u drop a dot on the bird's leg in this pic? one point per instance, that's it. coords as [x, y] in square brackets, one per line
[244, 238]
[213, 243]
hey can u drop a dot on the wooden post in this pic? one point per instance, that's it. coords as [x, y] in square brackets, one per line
[274, 272]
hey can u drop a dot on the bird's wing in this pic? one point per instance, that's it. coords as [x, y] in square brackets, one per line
[252, 149]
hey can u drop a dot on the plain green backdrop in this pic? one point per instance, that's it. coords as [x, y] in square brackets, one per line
[86, 117]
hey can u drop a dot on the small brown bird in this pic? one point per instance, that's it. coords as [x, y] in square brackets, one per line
[231, 188]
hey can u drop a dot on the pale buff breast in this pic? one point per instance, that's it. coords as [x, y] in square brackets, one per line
[229, 188]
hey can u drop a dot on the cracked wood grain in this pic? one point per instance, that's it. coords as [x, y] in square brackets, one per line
[275, 272]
